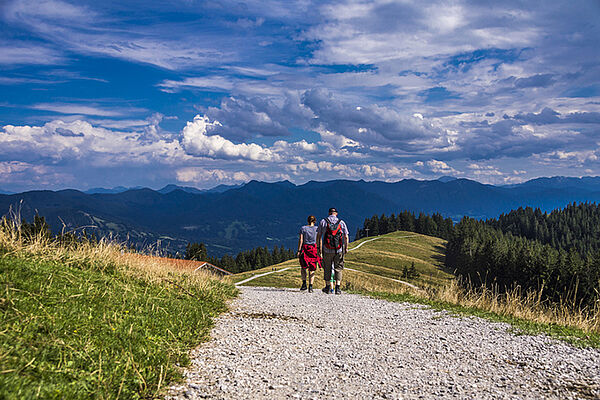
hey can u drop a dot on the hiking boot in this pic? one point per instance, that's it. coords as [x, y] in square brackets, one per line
[325, 290]
[310, 289]
[337, 289]
[330, 291]
[303, 287]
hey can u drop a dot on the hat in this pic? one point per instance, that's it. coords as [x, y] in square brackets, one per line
[332, 210]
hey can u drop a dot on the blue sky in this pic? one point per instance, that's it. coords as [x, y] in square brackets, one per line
[200, 93]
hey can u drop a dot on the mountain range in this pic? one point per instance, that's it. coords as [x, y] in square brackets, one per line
[229, 219]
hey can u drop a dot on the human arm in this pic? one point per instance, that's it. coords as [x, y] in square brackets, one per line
[319, 237]
[346, 237]
[346, 242]
[319, 245]
[300, 241]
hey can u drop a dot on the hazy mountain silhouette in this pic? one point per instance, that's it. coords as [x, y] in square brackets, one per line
[229, 219]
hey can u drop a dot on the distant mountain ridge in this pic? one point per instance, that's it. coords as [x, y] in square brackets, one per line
[230, 219]
[167, 189]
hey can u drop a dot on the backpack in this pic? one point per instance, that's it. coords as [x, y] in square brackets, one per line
[333, 235]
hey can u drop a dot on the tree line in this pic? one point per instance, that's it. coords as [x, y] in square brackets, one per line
[431, 225]
[575, 227]
[247, 260]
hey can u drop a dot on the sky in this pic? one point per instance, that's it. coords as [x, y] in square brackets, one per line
[200, 93]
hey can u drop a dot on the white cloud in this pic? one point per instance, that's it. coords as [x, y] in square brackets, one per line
[301, 147]
[436, 167]
[18, 172]
[26, 53]
[197, 142]
[385, 172]
[79, 140]
[578, 156]
[484, 170]
[82, 109]
[68, 26]
[10, 167]
[207, 82]
[205, 176]
[335, 139]
[381, 31]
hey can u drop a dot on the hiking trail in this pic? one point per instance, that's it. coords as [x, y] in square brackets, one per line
[281, 343]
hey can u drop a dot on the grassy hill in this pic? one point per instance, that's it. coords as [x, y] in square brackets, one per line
[371, 263]
[90, 320]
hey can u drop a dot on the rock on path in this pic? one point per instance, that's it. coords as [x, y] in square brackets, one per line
[282, 343]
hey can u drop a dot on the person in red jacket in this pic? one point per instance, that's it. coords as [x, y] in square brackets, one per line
[307, 253]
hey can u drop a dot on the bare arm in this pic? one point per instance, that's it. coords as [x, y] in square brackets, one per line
[319, 245]
[346, 241]
[300, 241]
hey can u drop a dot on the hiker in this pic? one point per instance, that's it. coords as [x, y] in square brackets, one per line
[332, 243]
[307, 252]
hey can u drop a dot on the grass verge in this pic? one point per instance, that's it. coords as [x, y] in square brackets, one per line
[91, 321]
[570, 334]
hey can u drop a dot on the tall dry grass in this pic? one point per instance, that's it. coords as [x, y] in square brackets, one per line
[101, 254]
[515, 303]
[527, 306]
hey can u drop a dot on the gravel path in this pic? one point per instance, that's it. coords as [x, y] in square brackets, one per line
[281, 343]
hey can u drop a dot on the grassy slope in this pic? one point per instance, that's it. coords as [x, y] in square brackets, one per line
[386, 257]
[91, 330]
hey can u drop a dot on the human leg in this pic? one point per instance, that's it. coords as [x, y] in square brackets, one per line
[338, 263]
[327, 264]
[303, 274]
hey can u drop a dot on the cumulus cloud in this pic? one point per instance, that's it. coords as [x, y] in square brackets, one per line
[385, 172]
[580, 157]
[372, 124]
[243, 117]
[58, 142]
[200, 175]
[197, 142]
[435, 167]
[484, 170]
[550, 116]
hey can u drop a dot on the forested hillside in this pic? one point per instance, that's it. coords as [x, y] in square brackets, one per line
[575, 227]
[556, 254]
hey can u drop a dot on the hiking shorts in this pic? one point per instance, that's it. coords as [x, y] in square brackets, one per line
[335, 260]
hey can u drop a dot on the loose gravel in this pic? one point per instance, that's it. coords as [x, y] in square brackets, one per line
[281, 343]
